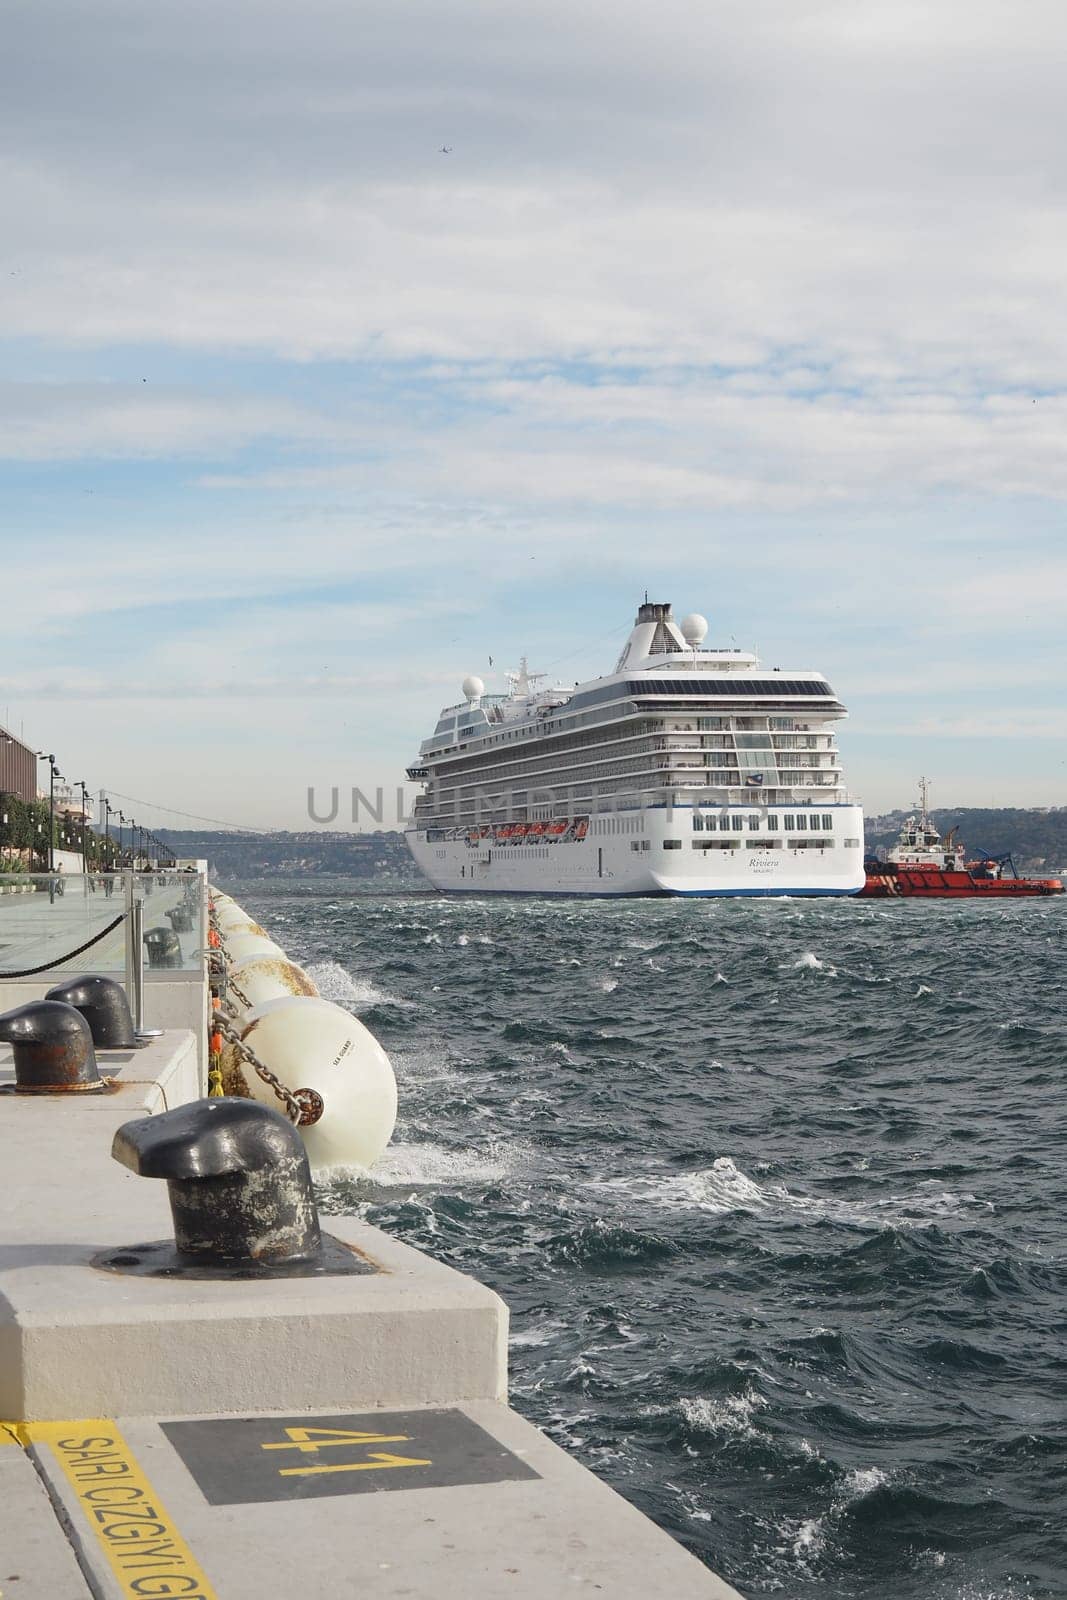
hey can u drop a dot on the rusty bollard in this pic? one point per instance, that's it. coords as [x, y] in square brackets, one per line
[53, 1049]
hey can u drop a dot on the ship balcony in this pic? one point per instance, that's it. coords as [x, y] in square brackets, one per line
[417, 773]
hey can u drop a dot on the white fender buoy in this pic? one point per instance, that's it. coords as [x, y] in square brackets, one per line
[309, 1043]
[242, 947]
[313, 1044]
[231, 919]
[266, 978]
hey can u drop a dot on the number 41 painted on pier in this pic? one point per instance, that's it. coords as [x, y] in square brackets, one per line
[309, 1441]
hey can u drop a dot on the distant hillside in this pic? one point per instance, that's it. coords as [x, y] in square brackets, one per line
[381, 856]
[1036, 838]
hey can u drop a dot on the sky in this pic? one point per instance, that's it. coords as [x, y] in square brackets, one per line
[344, 347]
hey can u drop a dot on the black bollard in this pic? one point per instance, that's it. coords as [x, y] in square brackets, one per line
[164, 947]
[53, 1049]
[238, 1181]
[103, 1004]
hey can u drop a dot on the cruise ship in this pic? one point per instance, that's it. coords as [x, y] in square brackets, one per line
[686, 771]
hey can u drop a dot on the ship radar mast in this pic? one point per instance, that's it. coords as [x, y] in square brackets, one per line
[522, 682]
[924, 806]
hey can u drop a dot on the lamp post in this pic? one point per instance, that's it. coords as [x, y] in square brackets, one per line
[53, 774]
[5, 738]
[107, 832]
[122, 819]
[79, 783]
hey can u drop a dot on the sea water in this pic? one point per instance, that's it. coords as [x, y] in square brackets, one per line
[776, 1194]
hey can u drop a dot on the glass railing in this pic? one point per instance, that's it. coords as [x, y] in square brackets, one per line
[58, 922]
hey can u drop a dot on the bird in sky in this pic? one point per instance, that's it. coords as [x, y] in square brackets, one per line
[446, 149]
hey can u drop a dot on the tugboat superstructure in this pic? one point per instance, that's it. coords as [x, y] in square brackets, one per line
[686, 771]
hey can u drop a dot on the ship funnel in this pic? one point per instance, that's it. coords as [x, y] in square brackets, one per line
[655, 633]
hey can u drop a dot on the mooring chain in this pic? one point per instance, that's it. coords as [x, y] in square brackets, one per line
[220, 962]
[242, 997]
[303, 1106]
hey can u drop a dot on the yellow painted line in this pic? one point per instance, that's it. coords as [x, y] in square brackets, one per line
[309, 1441]
[380, 1461]
[13, 1433]
[133, 1529]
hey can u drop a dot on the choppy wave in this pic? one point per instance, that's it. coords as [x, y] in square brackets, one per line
[775, 1194]
[334, 982]
[724, 1187]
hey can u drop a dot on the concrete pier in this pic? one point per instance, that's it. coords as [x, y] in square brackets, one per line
[339, 1434]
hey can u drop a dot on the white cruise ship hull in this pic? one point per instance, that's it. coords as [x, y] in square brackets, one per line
[654, 852]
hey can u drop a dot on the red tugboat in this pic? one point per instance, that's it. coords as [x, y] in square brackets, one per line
[922, 863]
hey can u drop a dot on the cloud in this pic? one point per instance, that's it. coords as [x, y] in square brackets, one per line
[762, 295]
[703, 184]
[53, 422]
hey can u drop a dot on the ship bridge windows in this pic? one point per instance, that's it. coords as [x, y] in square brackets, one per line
[719, 685]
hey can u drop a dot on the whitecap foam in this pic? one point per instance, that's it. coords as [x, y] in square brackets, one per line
[862, 1481]
[724, 1187]
[806, 1538]
[731, 1415]
[334, 982]
[810, 962]
[581, 1369]
[536, 1336]
[809, 1538]
[434, 1165]
[719, 1188]
[609, 985]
